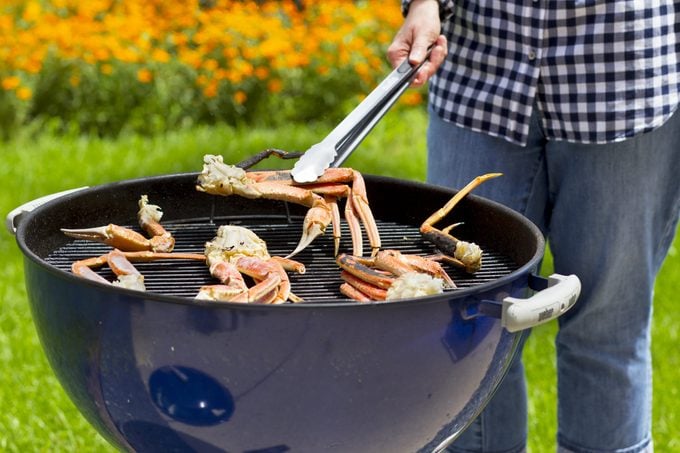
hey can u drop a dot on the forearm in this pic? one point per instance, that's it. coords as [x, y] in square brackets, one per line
[445, 7]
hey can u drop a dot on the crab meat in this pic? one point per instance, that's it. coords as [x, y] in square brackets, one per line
[149, 216]
[414, 284]
[320, 197]
[236, 251]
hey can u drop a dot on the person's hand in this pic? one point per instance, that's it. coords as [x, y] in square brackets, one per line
[421, 29]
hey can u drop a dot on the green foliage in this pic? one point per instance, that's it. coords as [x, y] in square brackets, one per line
[111, 105]
[131, 67]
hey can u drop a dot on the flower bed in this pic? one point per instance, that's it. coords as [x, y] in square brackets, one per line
[149, 65]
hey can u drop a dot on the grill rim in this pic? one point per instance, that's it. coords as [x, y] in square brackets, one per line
[42, 213]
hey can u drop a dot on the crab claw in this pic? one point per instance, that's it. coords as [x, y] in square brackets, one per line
[113, 235]
[127, 275]
[317, 219]
[308, 235]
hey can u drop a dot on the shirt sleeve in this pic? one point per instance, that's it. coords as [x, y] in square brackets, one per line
[445, 8]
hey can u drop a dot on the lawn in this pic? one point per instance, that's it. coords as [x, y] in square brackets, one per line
[38, 416]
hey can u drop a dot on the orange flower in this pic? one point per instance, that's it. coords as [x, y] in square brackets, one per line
[240, 97]
[412, 98]
[261, 72]
[210, 91]
[144, 75]
[230, 52]
[32, 11]
[10, 83]
[33, 66]
[362, 69]
[160, 56]
[106, 69]
[24, 93]
[275, 86]
[211, 64]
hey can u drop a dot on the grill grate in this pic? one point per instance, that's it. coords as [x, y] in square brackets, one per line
[320, 283]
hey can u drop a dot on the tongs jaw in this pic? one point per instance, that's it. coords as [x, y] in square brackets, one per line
[333, 150]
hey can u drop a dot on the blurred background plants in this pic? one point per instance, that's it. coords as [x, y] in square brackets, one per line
[108, 66]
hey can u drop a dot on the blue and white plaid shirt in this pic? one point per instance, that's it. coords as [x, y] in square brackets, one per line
[598, 70]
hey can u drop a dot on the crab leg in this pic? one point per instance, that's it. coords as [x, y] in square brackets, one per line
[354, 266]
[231, 293]
[353, 293]
[128, 276]
[399, 264]
[121, 265]
[468, 253]
[262, 270]
[149, 216]
[332, 182]
[232, 285]
[320, 214]
[113, 235]
[290, 265]
[360, 204]
[83, 268]
[335, 213]
[121, 238]
[366, 289]
[428, 266]
[443, 211]
[314, 224]
[356, 197]
[331, 192]
[234, 288]
[257, 158]
[270, 277]
[137, 257]
[229, 275]
[272, 284]
[220, 179]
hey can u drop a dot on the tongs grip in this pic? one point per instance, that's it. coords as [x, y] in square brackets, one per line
[354, 128]
[339, 144]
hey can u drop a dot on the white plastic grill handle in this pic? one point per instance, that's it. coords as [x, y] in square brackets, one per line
[12, 219]
[560, 295]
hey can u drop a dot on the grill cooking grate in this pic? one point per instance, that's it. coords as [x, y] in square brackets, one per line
[320, 283]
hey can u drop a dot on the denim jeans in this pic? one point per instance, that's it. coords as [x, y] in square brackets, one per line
[609, 212]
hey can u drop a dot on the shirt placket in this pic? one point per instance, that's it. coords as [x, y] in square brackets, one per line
[534, 13]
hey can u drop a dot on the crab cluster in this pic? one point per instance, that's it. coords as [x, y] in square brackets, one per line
[237, 251]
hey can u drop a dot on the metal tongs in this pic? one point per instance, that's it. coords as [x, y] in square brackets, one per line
[333, 150]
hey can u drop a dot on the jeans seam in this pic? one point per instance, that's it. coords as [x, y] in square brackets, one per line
[517, 449]
[569, 447]
[669, 232]
[535, 123]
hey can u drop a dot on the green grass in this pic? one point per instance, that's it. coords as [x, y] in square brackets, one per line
[38, 416]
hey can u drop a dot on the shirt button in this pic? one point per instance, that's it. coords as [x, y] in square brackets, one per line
[532, 55]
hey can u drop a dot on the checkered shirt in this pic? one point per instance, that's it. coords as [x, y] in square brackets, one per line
[598, 70]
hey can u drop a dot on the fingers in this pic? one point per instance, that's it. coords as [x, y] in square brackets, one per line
[429, 68]
[420, 30]
[399, 49]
